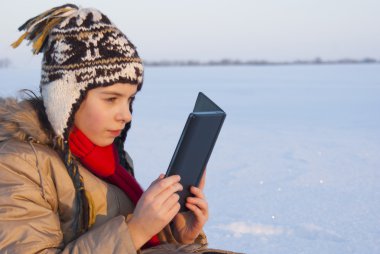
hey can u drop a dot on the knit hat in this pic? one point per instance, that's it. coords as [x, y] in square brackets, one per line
[82, 49]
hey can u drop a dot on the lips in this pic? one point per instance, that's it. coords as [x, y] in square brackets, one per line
[115, 133]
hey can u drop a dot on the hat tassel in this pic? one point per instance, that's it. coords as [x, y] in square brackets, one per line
[38, 28]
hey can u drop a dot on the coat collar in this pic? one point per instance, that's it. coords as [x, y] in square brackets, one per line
[19, 120]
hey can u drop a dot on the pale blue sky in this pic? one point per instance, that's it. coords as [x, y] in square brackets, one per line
[215, 29]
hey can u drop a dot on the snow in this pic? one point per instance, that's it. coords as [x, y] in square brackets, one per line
[296, 165]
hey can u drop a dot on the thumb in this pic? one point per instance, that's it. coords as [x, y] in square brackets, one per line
[161, 176]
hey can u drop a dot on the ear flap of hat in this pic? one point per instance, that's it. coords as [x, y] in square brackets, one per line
[59, 97]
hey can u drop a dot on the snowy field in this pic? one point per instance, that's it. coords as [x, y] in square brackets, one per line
[296, 168]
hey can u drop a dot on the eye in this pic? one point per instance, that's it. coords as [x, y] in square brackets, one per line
[111, 99]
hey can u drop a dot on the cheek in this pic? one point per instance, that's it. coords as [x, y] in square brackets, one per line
[92, 119]
[95, 119]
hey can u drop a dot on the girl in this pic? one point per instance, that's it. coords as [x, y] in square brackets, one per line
[66, 183]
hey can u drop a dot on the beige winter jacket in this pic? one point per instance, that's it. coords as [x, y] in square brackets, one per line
[37, 197]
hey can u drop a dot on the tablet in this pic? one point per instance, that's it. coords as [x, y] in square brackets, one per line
[195, 145]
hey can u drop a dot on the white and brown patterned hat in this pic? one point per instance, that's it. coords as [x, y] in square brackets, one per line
[82, 49]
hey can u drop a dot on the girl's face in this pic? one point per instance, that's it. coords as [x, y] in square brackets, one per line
[104, 112]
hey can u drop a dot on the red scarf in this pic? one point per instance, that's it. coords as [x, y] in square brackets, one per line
[104, 162]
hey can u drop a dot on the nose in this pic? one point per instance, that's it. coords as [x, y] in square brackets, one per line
[124, 114]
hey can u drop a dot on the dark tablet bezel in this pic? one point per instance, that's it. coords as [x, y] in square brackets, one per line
[194, 120]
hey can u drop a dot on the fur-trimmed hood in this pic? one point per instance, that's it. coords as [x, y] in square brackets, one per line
[19, 119]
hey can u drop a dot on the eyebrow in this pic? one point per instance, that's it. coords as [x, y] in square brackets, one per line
[116, 93]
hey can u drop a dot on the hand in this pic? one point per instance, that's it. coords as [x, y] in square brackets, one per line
[188, 225]
[155, 209]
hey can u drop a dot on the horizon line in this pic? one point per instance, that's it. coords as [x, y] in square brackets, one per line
[222, 62]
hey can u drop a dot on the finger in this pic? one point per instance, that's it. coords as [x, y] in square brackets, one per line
[171, 201]
[170, 207]
[173, 210]
[152, 183]
[166, 194]
[161, 176]
[162, 184]
[200, 203]
[197, 192]
[158, 178]
[198, 213]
